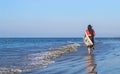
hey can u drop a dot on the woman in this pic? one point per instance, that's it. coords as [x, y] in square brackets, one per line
[91, 33]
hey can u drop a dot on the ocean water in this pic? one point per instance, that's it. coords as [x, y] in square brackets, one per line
[58, 56]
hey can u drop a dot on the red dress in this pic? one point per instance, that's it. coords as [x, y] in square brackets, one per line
[88, 33]
[91, 36]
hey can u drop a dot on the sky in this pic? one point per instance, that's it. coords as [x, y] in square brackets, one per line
[59, 18]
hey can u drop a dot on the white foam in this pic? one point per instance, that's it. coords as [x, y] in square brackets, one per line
[45, 58]
[41, 60]
[9, 71]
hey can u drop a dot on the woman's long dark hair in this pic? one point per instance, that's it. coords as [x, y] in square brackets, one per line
[90, 29]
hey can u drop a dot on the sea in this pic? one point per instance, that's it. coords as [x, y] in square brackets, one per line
[59, 56]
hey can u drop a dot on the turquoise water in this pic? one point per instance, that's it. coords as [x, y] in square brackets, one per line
[58, 56]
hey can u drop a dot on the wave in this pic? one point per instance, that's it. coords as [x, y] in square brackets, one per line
[39, 60]
[9, 71]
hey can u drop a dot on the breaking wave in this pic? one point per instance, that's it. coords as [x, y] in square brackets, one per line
[39, 60]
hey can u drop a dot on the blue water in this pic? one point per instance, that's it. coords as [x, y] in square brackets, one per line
[57, 56]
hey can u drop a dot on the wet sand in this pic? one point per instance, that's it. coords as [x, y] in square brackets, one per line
[102, 61]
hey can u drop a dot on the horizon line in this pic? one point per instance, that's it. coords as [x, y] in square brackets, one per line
[59, 37]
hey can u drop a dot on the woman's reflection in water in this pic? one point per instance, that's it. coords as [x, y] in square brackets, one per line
[91, 64]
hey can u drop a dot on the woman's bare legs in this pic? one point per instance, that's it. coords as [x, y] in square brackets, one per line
[89, 50]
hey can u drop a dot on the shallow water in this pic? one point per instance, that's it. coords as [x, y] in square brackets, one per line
[58, 56]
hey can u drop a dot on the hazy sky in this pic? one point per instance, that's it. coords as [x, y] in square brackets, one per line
[59, 18]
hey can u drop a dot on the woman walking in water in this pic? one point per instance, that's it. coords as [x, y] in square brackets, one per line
[91, 33]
